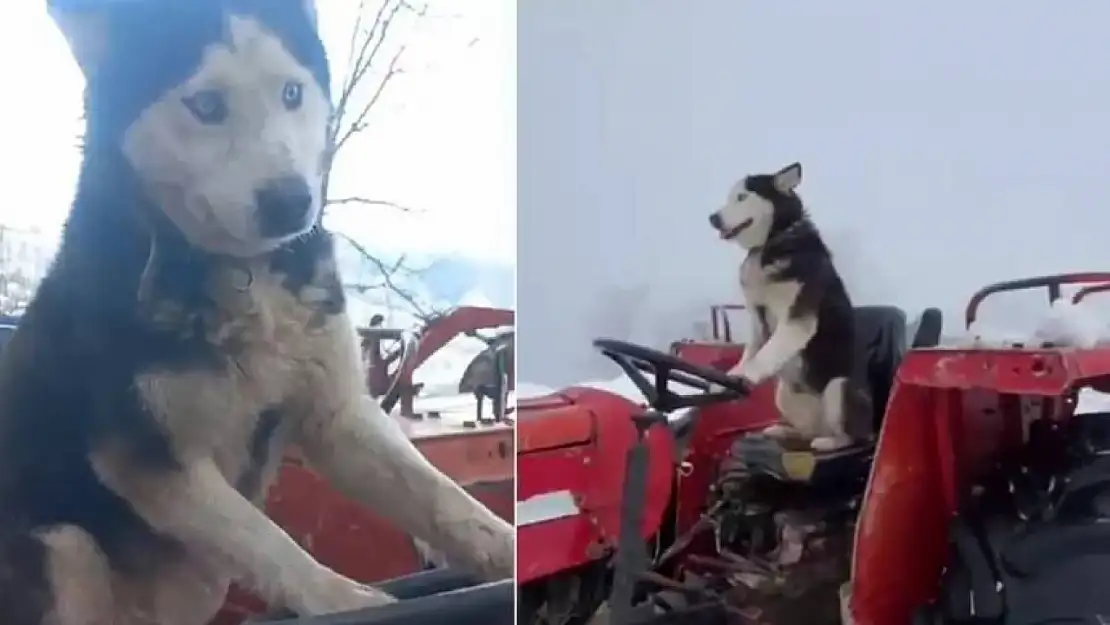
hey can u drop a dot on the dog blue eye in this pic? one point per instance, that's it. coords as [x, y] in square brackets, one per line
[208, 106]
[292, 94]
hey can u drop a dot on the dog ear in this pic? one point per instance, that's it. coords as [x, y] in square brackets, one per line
[86, 32]
[788, 178]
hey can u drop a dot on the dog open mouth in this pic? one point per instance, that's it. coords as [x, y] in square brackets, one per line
[732, 233]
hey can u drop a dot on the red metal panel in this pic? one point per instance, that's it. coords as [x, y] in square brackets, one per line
[903, 520]
[594, 473]
[552, 546]
[935, 443]
[474, 456]
[1006, 370]
[552, 426]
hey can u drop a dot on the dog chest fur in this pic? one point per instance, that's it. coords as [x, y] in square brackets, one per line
[763, 291]
[274, 358]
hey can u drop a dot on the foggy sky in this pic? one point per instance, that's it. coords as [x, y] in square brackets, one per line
[942, 143]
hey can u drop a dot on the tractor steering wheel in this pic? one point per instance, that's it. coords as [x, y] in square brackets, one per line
[637, 360]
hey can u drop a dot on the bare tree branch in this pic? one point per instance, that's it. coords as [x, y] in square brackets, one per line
[356, 100]
[360, 61]
[365, 59]
[355, 30]
[359, 124]
[365, 201]
[366, 44]
[387, 273]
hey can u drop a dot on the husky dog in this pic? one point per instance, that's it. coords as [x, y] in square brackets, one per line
[802, 320]
[191, 327]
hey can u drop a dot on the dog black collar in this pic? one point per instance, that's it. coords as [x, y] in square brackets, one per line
[780, 235]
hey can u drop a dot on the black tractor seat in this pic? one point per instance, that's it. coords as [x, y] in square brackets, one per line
[883, 338]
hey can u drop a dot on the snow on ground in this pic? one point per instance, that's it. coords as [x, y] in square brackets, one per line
[526, 390]
[1092, 401]
[441, 373]
[1064, 324]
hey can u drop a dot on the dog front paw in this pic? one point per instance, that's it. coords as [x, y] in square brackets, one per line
[499, 559]
[341, 595]
[737, 373]
[751, 373]
[715, 388]
[829, 443]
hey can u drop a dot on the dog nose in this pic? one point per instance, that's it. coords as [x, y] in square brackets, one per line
[715, 220]
[283, 206]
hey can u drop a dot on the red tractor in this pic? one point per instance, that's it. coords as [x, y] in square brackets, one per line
[675, 509]
[389, 373]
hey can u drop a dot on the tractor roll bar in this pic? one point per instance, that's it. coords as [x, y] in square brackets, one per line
[722, 326]
[1082, 293]
[1053, 283]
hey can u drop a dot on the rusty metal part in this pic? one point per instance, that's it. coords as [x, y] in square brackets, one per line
[757, 564]
[737, 566]
[682, 542]
[666, 582]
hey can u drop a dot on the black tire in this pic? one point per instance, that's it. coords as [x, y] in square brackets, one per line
[593, 583]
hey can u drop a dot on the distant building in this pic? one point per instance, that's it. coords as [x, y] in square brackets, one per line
[25, 256]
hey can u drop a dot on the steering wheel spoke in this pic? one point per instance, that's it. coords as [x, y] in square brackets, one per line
[639, 362]
[632, 368]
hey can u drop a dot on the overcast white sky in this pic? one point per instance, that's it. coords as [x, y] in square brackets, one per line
[945, 144]
[443, 140]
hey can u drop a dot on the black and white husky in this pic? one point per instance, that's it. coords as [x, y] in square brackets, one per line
[192, 327]
[802, 319]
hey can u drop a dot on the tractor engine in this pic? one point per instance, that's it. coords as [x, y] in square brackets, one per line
[784, 546]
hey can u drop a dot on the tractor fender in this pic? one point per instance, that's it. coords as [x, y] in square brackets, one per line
[572, 450]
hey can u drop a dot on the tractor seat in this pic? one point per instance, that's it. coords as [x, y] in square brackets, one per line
[882, 339]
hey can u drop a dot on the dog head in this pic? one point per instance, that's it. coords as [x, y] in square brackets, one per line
[220, 108]
[759, 206]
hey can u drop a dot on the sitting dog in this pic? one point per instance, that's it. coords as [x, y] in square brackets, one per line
[802, 329]
[191, 327]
